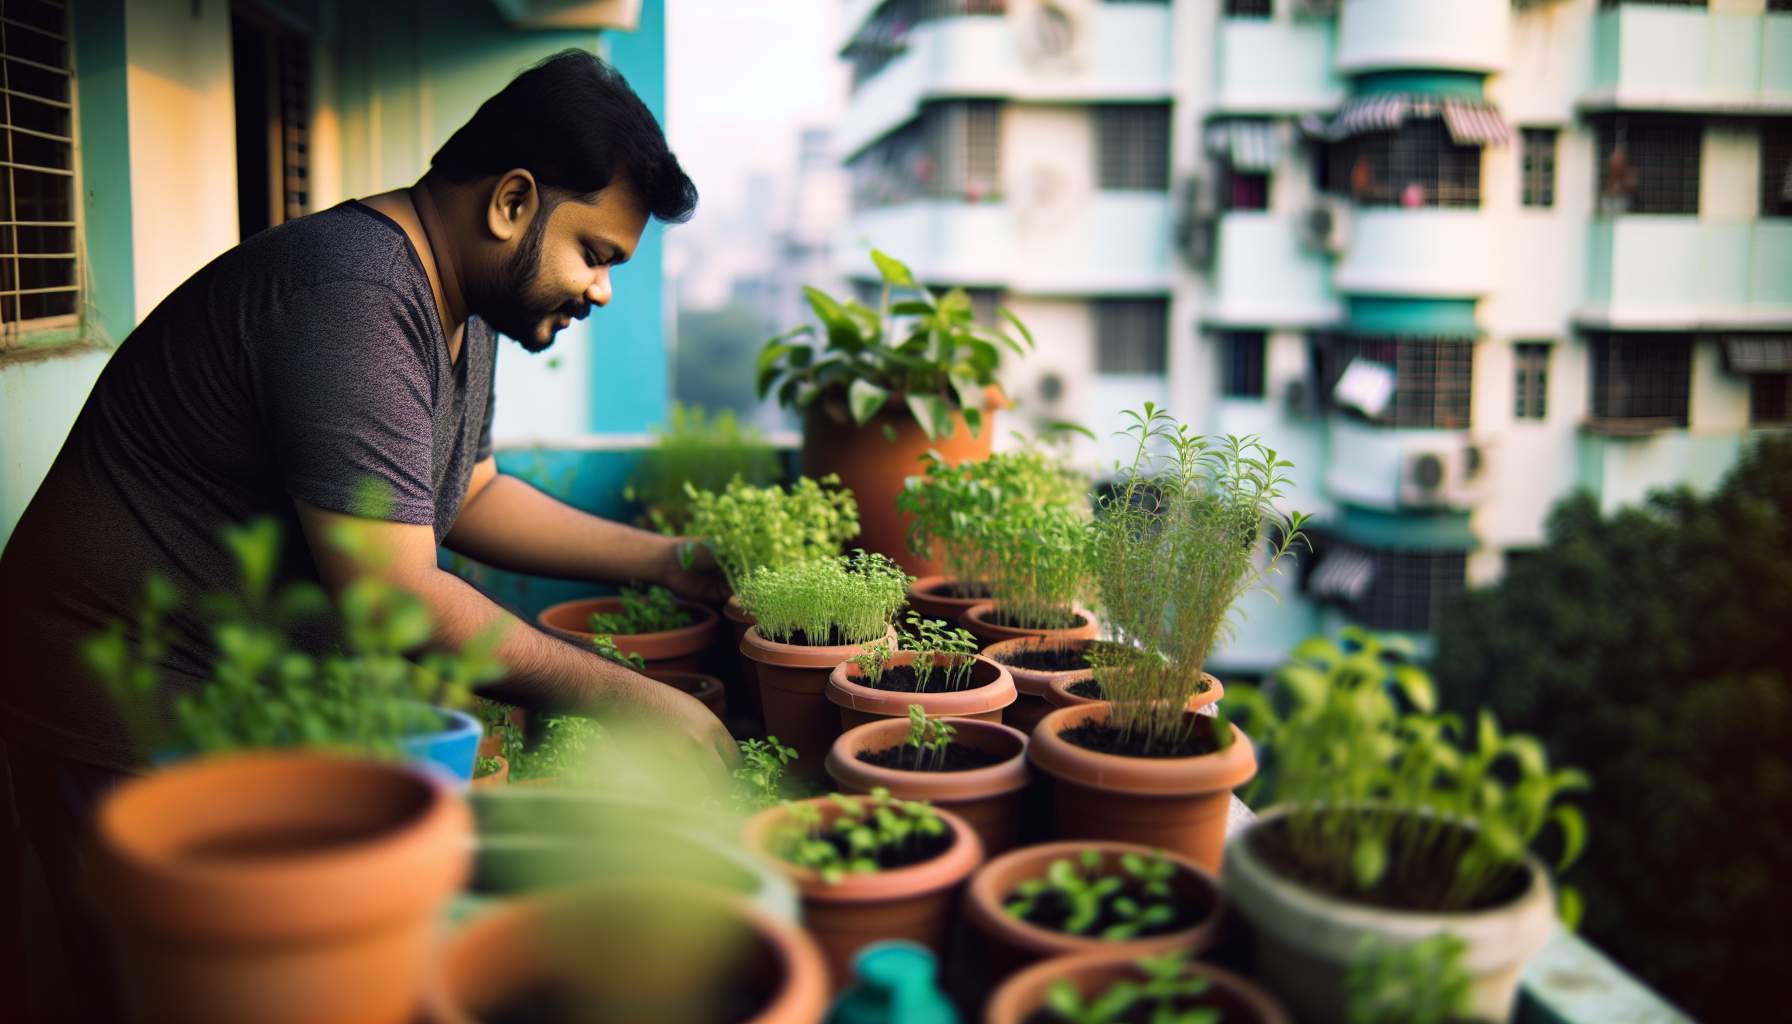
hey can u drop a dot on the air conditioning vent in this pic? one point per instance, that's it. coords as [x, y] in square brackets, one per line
[1325, 227]
[1441, 478]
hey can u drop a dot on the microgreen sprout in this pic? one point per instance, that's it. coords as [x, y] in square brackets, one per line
[1167, 984]
[1135, 899]
[759, 781]
[931, 738]
[950, 653]
[1422, 982]
[751, 528]
[828, 601]
[867, 832]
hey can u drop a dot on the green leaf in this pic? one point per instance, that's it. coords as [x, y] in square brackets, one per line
[910, 307]
[1574, 834]
[894, 271]
[1415, 684]
[866, 400]
[1368, 861]
[1569, 907]
[933, 414]
[1067, 427]
[1008, 315]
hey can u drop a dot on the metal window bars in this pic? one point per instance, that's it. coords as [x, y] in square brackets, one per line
[39, 261]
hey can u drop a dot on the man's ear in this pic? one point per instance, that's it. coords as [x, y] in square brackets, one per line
[514, 200]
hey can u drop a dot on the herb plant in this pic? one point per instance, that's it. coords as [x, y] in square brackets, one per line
[1166, 984]
[1039, 564]
[942, 651]
[653, 610]
[1179, 540]
[951, 507]
[869, 833]
[1422, 982]
[759, 781]
[931, 738]
[563, 752]
[1384, 803]
[697, 451]
[751, 528]
[927, 352]
[826, 601]
[1136, 900]
[605, 645]
[494, 717]
[485, 766]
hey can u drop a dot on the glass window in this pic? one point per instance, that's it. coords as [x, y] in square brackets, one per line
[1241, 363]
[1243, 191]
[1641, 377]
[39, 283]
[952, 151]
[1538, 166]
[1530, 362]
[1770, 399]
[1648, 165]
[1248, 8]
[1132, 144]
[1131, 335]
[1419, 165]
[1776, 167]
[1409, 589]
[1433, 377]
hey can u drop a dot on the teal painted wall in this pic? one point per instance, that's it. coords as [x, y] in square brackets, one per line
[1466, 84]
[1411, 317]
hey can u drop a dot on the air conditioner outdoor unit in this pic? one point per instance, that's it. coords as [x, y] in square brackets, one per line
[1197, 223]
[1316, 8]
[1326, 226]
[1441, 478]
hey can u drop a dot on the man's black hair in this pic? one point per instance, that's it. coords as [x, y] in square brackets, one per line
[573, 122]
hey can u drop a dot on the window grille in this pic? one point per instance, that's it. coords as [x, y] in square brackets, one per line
[1641, 377]
[1249, 8]
[1132, 146]
[1776, 167]
[1241, 364]
[1243, 191]
[1530, 361]
[884, 35]
[1419, 165]
[952, 151]
[1648, 165]
[294, 90]
[1433, 377]
[1131, 336]
[1770, 399]
[40, 286]
[1538, 166]
[1410, 589]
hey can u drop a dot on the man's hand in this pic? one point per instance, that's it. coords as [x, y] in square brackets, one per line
[689, 717]
[701, 580]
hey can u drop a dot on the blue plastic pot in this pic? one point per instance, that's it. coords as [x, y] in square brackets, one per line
[451, 750]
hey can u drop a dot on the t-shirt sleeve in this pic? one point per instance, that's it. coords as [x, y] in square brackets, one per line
[346, 386]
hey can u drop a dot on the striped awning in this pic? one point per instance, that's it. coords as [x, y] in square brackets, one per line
[1470, 122]
[1365, 115]
[1474, 123]
[1759, 353]
[1250, 145]
[1344, 574]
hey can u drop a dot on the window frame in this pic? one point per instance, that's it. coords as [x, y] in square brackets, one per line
[1252, 10]
[1648, 404]
[1111, 316]
[1244, 364]
[1770, 400]
[1658, 184]
[1776, 166]
[1434, 378]
[17, 331]
[1537, 167]
[1420, 152]
[1141, 164]
[1530, 379]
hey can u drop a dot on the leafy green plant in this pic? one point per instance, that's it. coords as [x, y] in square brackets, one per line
[1039, 564]
[826, 601]
[1421, 982]
[564, 752]
[759, 781]
[484, 766]
[952, 507]
[927, 352]
[1178, 541]
[605, 645]
[931, 738]
[495, 718]
[868, 833]
[941, 650]
[1136, 899]
[1167, 984]
[653, 610]
[697, 451]
[1384, 803]
[751, 528]
[872, 661]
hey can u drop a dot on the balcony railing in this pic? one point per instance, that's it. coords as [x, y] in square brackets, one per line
[1675, 272]
[1427, 251]
[1690, 58]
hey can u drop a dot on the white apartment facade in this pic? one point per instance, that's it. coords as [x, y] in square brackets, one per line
[1455, 259]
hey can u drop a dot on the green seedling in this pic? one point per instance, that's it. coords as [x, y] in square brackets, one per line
[759, 781]
[1138, 895]
[1167, 983]
[1423, 982]
[751, 528]
[931, 738]
[942, 652]
[957, 512]
[605, 645]
[697, 451]
[868, 830]
[830, 601]
[653, 610]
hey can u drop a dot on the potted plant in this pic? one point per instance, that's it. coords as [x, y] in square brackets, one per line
[701, 685]
[490, 771]
[1176, 543]
[696, 451]
[869, 868]
[938, 669]
[1039, 570]
[666, 632]
[975, 769]
[810, 617]
[1114, 987]
[561, 755]
[1039, 664]
[1075, 897]
[877, 388]
[1068, 689]
[1384, 830]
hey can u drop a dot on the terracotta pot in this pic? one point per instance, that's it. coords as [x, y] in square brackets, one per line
[640, 951]
[991, 690]
[1011, 943]
[1305, 940]
[874, 468]
[916, 903]
[1175, 803]
[928, 597]
[1058, 694]
[498, 778]
[1239, 1001]
[277, 887]
[976, 619]
[739, 622]
[987, 798]
[1034, 685]
[701, 685]
[792, 679]
[680, 649]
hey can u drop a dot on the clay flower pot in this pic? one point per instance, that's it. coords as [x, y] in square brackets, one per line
[977, 619]
[792, 679]
[1305, 939]
[916, 902]
[1176, 803]
[930, 596]
[491, 743]
[988, 799]
[1011, 943]
[277, 887]
[1059, 694]
[498, 778]
[681, 649]
[738, 624]
[701, 685]
[991, 690]
[638, 951]
[1034, 685]
[1020, 997]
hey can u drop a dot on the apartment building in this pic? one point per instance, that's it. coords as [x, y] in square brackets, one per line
[1454, 259]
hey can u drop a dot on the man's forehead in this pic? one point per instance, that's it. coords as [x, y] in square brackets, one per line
[615, 214]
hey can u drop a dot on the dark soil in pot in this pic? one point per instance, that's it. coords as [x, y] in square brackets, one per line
[552, 1002]
[1059, 620]
[959, 758]
[962, 591]
[1051, 910]
[901, 679]
[1415, 882]
[918, 850]
[1107, 739]
[1048, 659]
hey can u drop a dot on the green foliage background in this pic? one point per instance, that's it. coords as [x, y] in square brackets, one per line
[1654, 647]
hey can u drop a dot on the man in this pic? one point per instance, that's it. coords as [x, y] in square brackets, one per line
[357, 343]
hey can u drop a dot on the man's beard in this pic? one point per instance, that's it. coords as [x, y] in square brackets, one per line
[511, 307]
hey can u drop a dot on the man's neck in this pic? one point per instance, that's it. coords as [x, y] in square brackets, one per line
[451, 299]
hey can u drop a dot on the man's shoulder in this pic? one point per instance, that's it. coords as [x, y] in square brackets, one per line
[347, 245]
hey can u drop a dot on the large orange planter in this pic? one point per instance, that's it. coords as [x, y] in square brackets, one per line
[1239, 1001]
[792, 681]
[1058, 693]
[1176, 803]
[278, 887]
[874, 468]
[675, 649]
[1034, 685]
[991, 690]
[986, 798]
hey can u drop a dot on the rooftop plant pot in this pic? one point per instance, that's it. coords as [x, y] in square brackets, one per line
[738, 623]
[1061, 693]
[978, 619]
[277, 887]
[680, 648]
[1179, 804]
[987, 798]
[792, 679]
[991, 690]
[1305, 939]
[932, 597]
[1012, 943]
[916, 902]
[701, 685]
[450, 750]
[1020, 997]
[491, 743]
[495, 779]
[633, 952]
[1034, 683]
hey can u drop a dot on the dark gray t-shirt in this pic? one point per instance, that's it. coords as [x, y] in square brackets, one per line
[299, 364]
